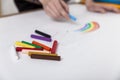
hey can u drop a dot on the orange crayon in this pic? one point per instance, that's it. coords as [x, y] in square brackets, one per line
[42, 45]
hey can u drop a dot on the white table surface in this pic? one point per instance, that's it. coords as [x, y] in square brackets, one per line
[91, 56]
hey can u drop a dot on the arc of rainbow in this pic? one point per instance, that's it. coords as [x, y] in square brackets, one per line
[89, 27]
[96, 26]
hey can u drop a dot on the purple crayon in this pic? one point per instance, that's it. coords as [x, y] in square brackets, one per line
[41, 38]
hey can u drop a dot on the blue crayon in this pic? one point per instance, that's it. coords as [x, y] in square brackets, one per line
[72, 17]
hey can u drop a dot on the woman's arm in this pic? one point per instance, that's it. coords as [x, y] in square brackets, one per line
[95, 7]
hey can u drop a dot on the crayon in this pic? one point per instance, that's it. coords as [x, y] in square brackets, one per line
[54, 47]
[20, 44]
[31, 44]
[43, 34]
[42, 45]
[41, 53]
[41, 38]
[34, 51]
[45, 57]
[19, 49]
[72, 17]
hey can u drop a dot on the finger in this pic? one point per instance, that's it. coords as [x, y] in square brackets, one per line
[65, 6]
[116, 10]
[97, 9]
[54, 9]
[110, 8]
[100, 10]
[61, 10]
[50, 12]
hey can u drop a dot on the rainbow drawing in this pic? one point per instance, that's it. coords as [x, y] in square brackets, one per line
[89, 27]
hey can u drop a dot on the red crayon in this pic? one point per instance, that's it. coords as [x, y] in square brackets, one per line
[54, 47]
[18, 49]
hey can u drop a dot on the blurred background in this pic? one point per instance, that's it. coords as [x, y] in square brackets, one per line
[7, 7]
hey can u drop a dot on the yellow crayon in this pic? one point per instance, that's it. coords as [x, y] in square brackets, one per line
[20, 44]
[41, 53]
[27, 51]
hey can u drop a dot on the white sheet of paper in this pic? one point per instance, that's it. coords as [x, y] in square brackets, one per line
[91, 56]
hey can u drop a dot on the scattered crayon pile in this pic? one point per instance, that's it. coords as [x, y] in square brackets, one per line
[89, 27]
[37, 50]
